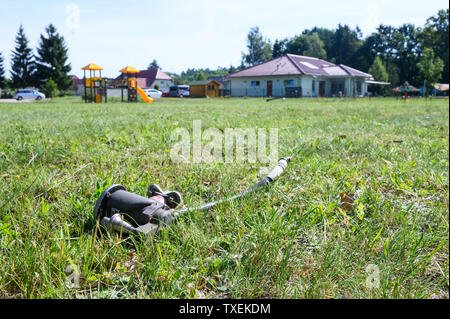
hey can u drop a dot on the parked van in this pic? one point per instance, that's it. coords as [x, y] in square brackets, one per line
[28, 94]
[179, 90]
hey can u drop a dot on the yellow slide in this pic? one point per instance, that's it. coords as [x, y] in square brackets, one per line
[141, 92]
[144, 95]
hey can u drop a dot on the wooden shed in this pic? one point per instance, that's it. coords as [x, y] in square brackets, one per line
[205, 88]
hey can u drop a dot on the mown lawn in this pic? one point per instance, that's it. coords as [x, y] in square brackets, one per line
[293, 240]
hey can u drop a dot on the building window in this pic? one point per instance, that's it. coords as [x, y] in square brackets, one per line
[313, 87]
[288, 82]
[337, 86]
[255, 83]
[294, 91]
[210, 87]
[358, 87]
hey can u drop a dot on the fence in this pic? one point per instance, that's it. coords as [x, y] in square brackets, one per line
[262, 92]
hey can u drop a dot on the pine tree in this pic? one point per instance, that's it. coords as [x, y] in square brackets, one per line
[232, 69]
[153, 65]
[23, 66]
[52, 60]
[346, 43]
[2, 73]
[279, 48]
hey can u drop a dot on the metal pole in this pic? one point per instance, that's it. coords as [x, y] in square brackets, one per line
[135, 86]
[106, 92]
[101, 85]
[90, 74]
[85, 92]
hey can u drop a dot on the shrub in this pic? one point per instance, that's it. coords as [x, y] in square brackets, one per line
[50, 88]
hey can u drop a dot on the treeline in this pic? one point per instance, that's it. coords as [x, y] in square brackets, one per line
[194, 74]
[416, 54]
[46, 68]
[391, 54]
[200, 74]
[394, 54]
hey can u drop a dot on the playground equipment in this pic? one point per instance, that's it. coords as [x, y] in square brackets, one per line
[129, 82]
[406, 89]
[95, 84]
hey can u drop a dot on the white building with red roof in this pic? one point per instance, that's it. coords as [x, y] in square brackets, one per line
[298, 76]
[147, 79]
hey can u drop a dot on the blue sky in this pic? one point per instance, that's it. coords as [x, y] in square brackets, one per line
[189, 33]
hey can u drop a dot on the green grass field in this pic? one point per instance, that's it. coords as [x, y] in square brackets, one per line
[293, 240]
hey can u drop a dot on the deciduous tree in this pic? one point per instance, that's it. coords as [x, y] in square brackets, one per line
[259, 49]
[430, 66]
[315, 46]
[379, 73]
[435, 36]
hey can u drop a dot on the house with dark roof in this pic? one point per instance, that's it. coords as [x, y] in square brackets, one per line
[298, 76]
[77, 85]
[221, 78]
[147, 79]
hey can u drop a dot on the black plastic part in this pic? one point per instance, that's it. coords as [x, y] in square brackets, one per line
[146, 215]
[99, 209]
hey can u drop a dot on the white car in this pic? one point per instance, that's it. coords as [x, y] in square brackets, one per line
[153, 93]
[28, 94]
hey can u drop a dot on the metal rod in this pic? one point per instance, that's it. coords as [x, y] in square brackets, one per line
[85, 89]
[92, 93]
[272, 176]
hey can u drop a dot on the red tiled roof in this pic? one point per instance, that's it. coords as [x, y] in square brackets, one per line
[142, 82]
[147, 77]
[355, 72]
[278, 66]
[76, 80]
[154, 74]
[291, 64]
